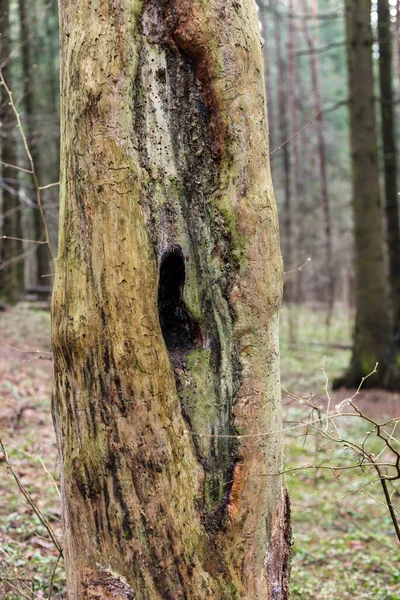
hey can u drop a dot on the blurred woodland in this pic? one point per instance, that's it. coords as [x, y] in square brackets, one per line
[308, 105]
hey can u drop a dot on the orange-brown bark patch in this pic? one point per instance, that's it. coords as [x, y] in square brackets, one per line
[189, 36]
[236, 491]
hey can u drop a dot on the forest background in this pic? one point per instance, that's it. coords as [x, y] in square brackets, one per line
[344, 535]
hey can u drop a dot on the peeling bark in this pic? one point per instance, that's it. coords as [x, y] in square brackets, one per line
[165, 306]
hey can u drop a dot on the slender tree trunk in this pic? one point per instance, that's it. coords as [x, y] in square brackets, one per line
[52, 174]
[294, 151]
[41, 266]
[165, 307]
[286, 173]
[11, 264]
[293, 101]
[389, 157]
[306, 183]
[372, 338]
[397, 29]
[322, 159]
[268, 79]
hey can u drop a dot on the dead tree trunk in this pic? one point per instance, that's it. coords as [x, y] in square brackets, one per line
[165, 307]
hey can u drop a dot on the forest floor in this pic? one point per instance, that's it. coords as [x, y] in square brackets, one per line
[344, 541]
[345, 545]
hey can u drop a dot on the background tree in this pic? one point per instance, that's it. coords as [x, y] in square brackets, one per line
[40, 259]
[323, 177]
[268, 78]
[165, 311]
[387, 110]
[283, 114]
[372, 336]
[11, 268]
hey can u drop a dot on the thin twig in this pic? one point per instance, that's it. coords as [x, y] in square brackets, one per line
[300, 268]
[297, 133]
[30, 501]
[389, 502]
[9, 237]
[15, 166]
[49, 185]
[26, 351]
[52, 577]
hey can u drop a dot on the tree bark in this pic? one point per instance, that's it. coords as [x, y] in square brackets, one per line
[11, 264]
[372, 337]
[165, 307]
[389, 158]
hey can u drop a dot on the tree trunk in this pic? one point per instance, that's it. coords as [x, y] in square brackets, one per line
[165, 308]
[268, 77]
[330, 286]
[11, 264]
[389, 158]
[372, 338]
[294, 144]
[294, 161]
[50, 142]
[397, 38]
[41, 256]
[286, 173]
